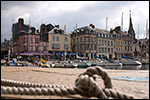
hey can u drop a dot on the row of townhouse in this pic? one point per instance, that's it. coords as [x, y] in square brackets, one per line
[93, 41]
[49, 39]
[87, 40]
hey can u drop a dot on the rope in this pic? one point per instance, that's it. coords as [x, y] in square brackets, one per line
[85, 85]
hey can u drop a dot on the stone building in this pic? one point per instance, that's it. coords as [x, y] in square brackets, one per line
[59, 41]
[84, 40]
[122, 43]
[105, 43]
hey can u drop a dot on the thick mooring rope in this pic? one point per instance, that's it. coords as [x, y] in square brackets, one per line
[85, 85]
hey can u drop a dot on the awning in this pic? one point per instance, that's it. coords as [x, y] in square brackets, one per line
[31, 54]
[62, 53]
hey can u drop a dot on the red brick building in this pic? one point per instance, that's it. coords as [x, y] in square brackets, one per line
[30, 43]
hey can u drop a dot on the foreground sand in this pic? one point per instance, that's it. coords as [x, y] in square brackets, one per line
[67, 76]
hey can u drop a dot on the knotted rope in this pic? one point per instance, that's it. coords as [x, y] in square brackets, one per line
[85, 85]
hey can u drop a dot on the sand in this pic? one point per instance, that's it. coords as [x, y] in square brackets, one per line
[67, 76]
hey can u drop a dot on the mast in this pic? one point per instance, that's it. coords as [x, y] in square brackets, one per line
[138, 31]
[122, 22]
[138, 35]
[65, 43]
[41, 41]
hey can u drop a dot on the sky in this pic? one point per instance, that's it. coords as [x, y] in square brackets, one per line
[72, 13]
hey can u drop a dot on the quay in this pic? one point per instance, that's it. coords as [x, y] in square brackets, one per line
[62, 76]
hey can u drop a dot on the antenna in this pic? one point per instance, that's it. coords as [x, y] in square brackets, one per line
[106, 22]
[29, 21]
[64, 28]
[41, 21]
[76, 26]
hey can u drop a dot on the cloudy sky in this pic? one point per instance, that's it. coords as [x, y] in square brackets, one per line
[70, 13]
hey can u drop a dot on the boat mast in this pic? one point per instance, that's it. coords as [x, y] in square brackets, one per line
[146, 34]
[65, 42]
[106, 22]
[122, 22]
[41, 41]
[138, 34]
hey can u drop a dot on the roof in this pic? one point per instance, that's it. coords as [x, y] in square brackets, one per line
[102, 31]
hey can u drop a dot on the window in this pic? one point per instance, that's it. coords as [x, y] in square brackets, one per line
[102, 43]
[99, 50]
[102, 50]
[55, 46]
[111, 50]
[87, 46]
[81, 48]
[108, 43]
[94, 39]
[30, 48]
[91, 46]
[26, 48]
[53, 38]
[99, 42]
[36, 48]
[95, 47]
[66, 39]
[91, 39]
[33, 48]
[33, 39]
[86, 39]
[108, 50]
[57, 38]
[111, 43]
[66, 46]
[102, 35]
[81, 39]
[44, 48]
[26, 40]
[105, 50]
[106, 35]
[36, 40]
[105, 43]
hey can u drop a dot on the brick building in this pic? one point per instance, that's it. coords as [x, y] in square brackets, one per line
[27, 39]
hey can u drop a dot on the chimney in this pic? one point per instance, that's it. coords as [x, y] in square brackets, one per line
[21, 23]
[33, 30]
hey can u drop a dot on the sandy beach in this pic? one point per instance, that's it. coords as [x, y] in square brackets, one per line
[67, 76]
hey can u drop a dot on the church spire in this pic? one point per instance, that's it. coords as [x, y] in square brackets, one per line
[131, 30]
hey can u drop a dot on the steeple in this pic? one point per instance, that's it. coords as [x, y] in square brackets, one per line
[131, 30]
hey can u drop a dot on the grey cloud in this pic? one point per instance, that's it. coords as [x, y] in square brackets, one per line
[95, 13]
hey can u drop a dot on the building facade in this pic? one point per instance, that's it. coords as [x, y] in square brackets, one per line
[44, 29]
[84, 40]
[27, 39]
[105, 43]
[58, 41]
